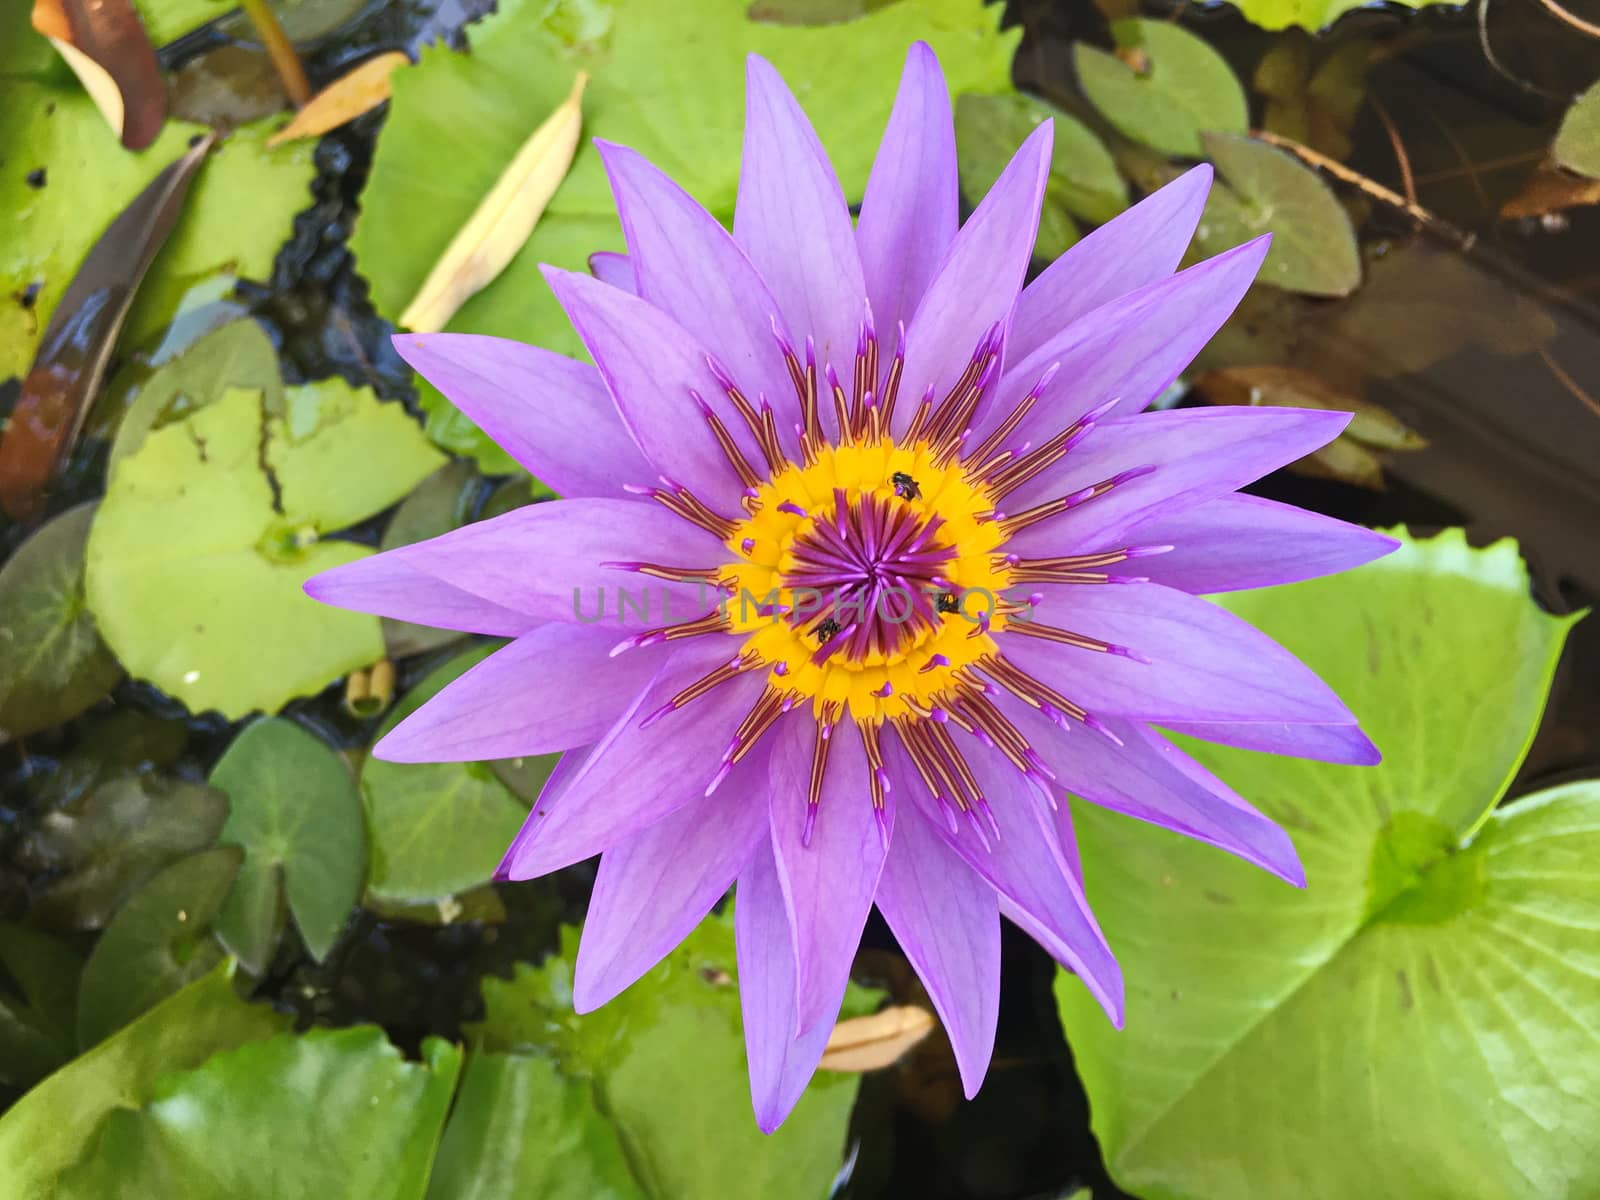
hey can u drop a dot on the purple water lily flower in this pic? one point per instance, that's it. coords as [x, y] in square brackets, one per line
[868, 558]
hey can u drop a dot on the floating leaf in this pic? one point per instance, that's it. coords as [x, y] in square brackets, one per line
[158, 942]
[435, 829]
[1577, 144]
[333, 1112]
[239, 354]
[1267, 191]
[677, 1033]
[442, 502]
[1446, 947]
[206, 534]
[293, 808]
[1315, 108]
[36, 1034]
[358, 90]
[108, 843]
[67, 178]
[77, 344]
[43, 1133]
[168, 20]
[520, 1129]
[503, 220]
[53, 664]
[813, 12]
[1309, 14]
[1083, 178]
[481, 904]
[877, 1040]
[669, 83]
[1181, 89]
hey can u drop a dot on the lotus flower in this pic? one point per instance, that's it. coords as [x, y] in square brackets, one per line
[869, 556]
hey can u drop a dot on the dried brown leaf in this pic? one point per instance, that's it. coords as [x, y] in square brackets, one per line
[871, 1042]
[503, 221]
[346, 98]
[106, 46]
[1549, 191]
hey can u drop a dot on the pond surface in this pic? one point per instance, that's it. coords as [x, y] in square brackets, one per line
[1513, 450]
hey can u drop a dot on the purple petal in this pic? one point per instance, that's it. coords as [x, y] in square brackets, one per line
[1204, 662]
[1028, 869]
[911, 208]
[976, 284]
[653, 369]
[1197, 454]
[793, 221]
[654, 887]
[947, 920]
[1325, 743]
[1129, 350]
[689, 266]
[385, 585]
[780, 1064]
[1135, 248]
[637, 774]
[615, 269]
[545, 560]
[828, 884]
[551, 414]
[1150, 779]
[521, 700]
[1236, 541]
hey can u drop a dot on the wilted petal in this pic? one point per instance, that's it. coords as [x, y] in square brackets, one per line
[1237, 541]
[828, 884]
[520, 700]
[636, 776]
[793, 221]
[655, 887]
[1204, 662]
[780, 1064]
[551, 414]
[911, 208]
[947, 920]
[1133, 249]
[386, 586]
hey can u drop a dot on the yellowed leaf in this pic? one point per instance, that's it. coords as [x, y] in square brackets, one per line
[346, 98]
[503, 221]
[870, 1042]
[97, 81]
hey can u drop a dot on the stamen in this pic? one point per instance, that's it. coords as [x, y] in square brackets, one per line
[712, 622]
[1011, 526]
[678, 499]
[891, 385]
[710, 576]
[1004, 430]
[1063, 637]
[728, 670]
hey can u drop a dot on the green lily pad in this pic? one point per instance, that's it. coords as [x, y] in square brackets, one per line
[111, 840]
[333, 1112]
[1431, 991]
[1577, 144]
[237, 215]
[1265, 190]
[668, 80]
[1309, 14]
[1183, 89]
[294, 810]
[53, 664]
[519, 1129]
[43, 1134]
[239, 354]
[158, 941]
[36, 1034]
[676, 1034]
[208, 531]
[435, 829]
[1083, 177]
[167, 20]
[441, 502]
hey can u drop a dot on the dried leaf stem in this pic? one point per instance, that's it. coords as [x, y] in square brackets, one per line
[279, 49]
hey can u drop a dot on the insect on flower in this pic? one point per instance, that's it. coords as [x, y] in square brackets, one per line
[927, 568]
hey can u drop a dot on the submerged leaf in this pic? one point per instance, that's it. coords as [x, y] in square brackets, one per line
[1315, 108]
[36, 1033]
[500, 225]
[1577, 144]
[358, 90]
[53, 664]
[77, 344]
[158, 941]
[1311, 15]
[1550, 191]
[108, 49]
[869, 1043]
[293, 808]
[207, 533]
[1181, 88]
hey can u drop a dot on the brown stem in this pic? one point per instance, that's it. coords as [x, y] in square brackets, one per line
[279, 49]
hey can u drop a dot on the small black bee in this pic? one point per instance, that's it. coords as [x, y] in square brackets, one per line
[947, 603]
[826, 630]
[906, 487]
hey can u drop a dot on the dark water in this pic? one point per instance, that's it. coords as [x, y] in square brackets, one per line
[1514, 450]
